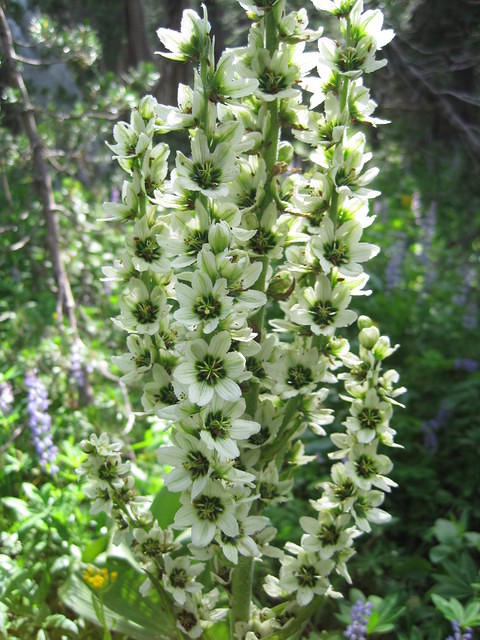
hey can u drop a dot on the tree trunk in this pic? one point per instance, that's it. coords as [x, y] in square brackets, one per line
[42, 180]
[138, 47]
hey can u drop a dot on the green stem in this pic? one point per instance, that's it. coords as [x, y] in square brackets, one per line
[242, 575]
[242, 579]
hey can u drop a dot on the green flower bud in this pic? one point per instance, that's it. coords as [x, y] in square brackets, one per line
[147, 106]
[219, 236]
[285, 152]
[281, 286]
[363, 322]
[382, 348]
[87, 447]
[368, 337]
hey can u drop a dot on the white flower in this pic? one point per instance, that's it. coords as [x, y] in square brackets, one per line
[275, 73]
[207, 171]
[244, 543]
[138, 361]
[295, 371]
[213, 508]
[222, 426]
[231, 79]
[342, 249]
[160, 392]
[146, 253]
[153, 543]
[210, 369]
[305, 575]
[141, 309]
[204, 303]
[323, 308]
[369, 418]
[367, 468]
[131, 139]
[192, 462]
[191, 41]
[179, 577]
[127, 209]
[327, 534]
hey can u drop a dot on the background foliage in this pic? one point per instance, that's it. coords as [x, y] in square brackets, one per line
[95, 61]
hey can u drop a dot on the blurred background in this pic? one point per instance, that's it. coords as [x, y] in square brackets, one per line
[85, 64]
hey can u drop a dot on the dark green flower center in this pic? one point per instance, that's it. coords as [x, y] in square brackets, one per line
[178, 578]
[143, 359]
[365, 466]
[150, 187]
[268, 490]
[344, 178]
[336, 252]
[218, 425]
[208, 507]
[306, 576]
[108, 470]
[344, 490]
[210, 369]
[299, 376]
[247, 199]
[369, 418]
[187, 619]
[271, 82]
[206, 174]
[323, 312]
[206, 307]
[166, 394]
[151, 548]
[263, 241]
[349, 60]
[260, 437]
[360, 372]
[145, 312]
[255, 367]
[147, 249]
[195, 241]
[328, 534]
[197, 464]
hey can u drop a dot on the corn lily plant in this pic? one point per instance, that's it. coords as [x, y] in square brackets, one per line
[238, 275]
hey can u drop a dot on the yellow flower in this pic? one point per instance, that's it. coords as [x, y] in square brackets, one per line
[99, 578]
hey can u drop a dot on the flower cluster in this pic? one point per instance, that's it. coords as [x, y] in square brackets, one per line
[359, 615]
[6, 398]
[99, 579]
[229, 232]
[40, 422]
[458, 634]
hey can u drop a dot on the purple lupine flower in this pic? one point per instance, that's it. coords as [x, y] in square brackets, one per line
[6, 398]
[458, 635]
[40, 422]
[359, 615]
[470, 317]
[393, 272]
[431, 427]
[466, 364]
[77, 370]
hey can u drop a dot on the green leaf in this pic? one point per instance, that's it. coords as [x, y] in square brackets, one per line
[125, 609]
[95, 548]
[59, 621]
[218, 631]
[164, 507]
[19, 506]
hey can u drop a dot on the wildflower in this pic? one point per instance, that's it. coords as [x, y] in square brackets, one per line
[359, 615]
[99, 579]
[141, 309]
[40, 422]
[210, 369]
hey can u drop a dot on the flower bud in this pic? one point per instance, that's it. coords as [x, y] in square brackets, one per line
[285, 152]
[382, 348]
[281, 286]
[364, 321]
[146, 107]
[88, 447]
[368, 337]
[219, 237]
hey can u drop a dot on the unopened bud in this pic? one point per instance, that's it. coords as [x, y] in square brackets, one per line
[281, 286]
[363, 322]
[147, 107]
[219, 236]
[382, 348]
[368, 337]
[285, 152]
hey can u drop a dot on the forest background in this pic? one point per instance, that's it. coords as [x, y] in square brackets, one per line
[85, 65]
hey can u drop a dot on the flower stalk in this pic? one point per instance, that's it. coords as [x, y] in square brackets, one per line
[228, 238]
